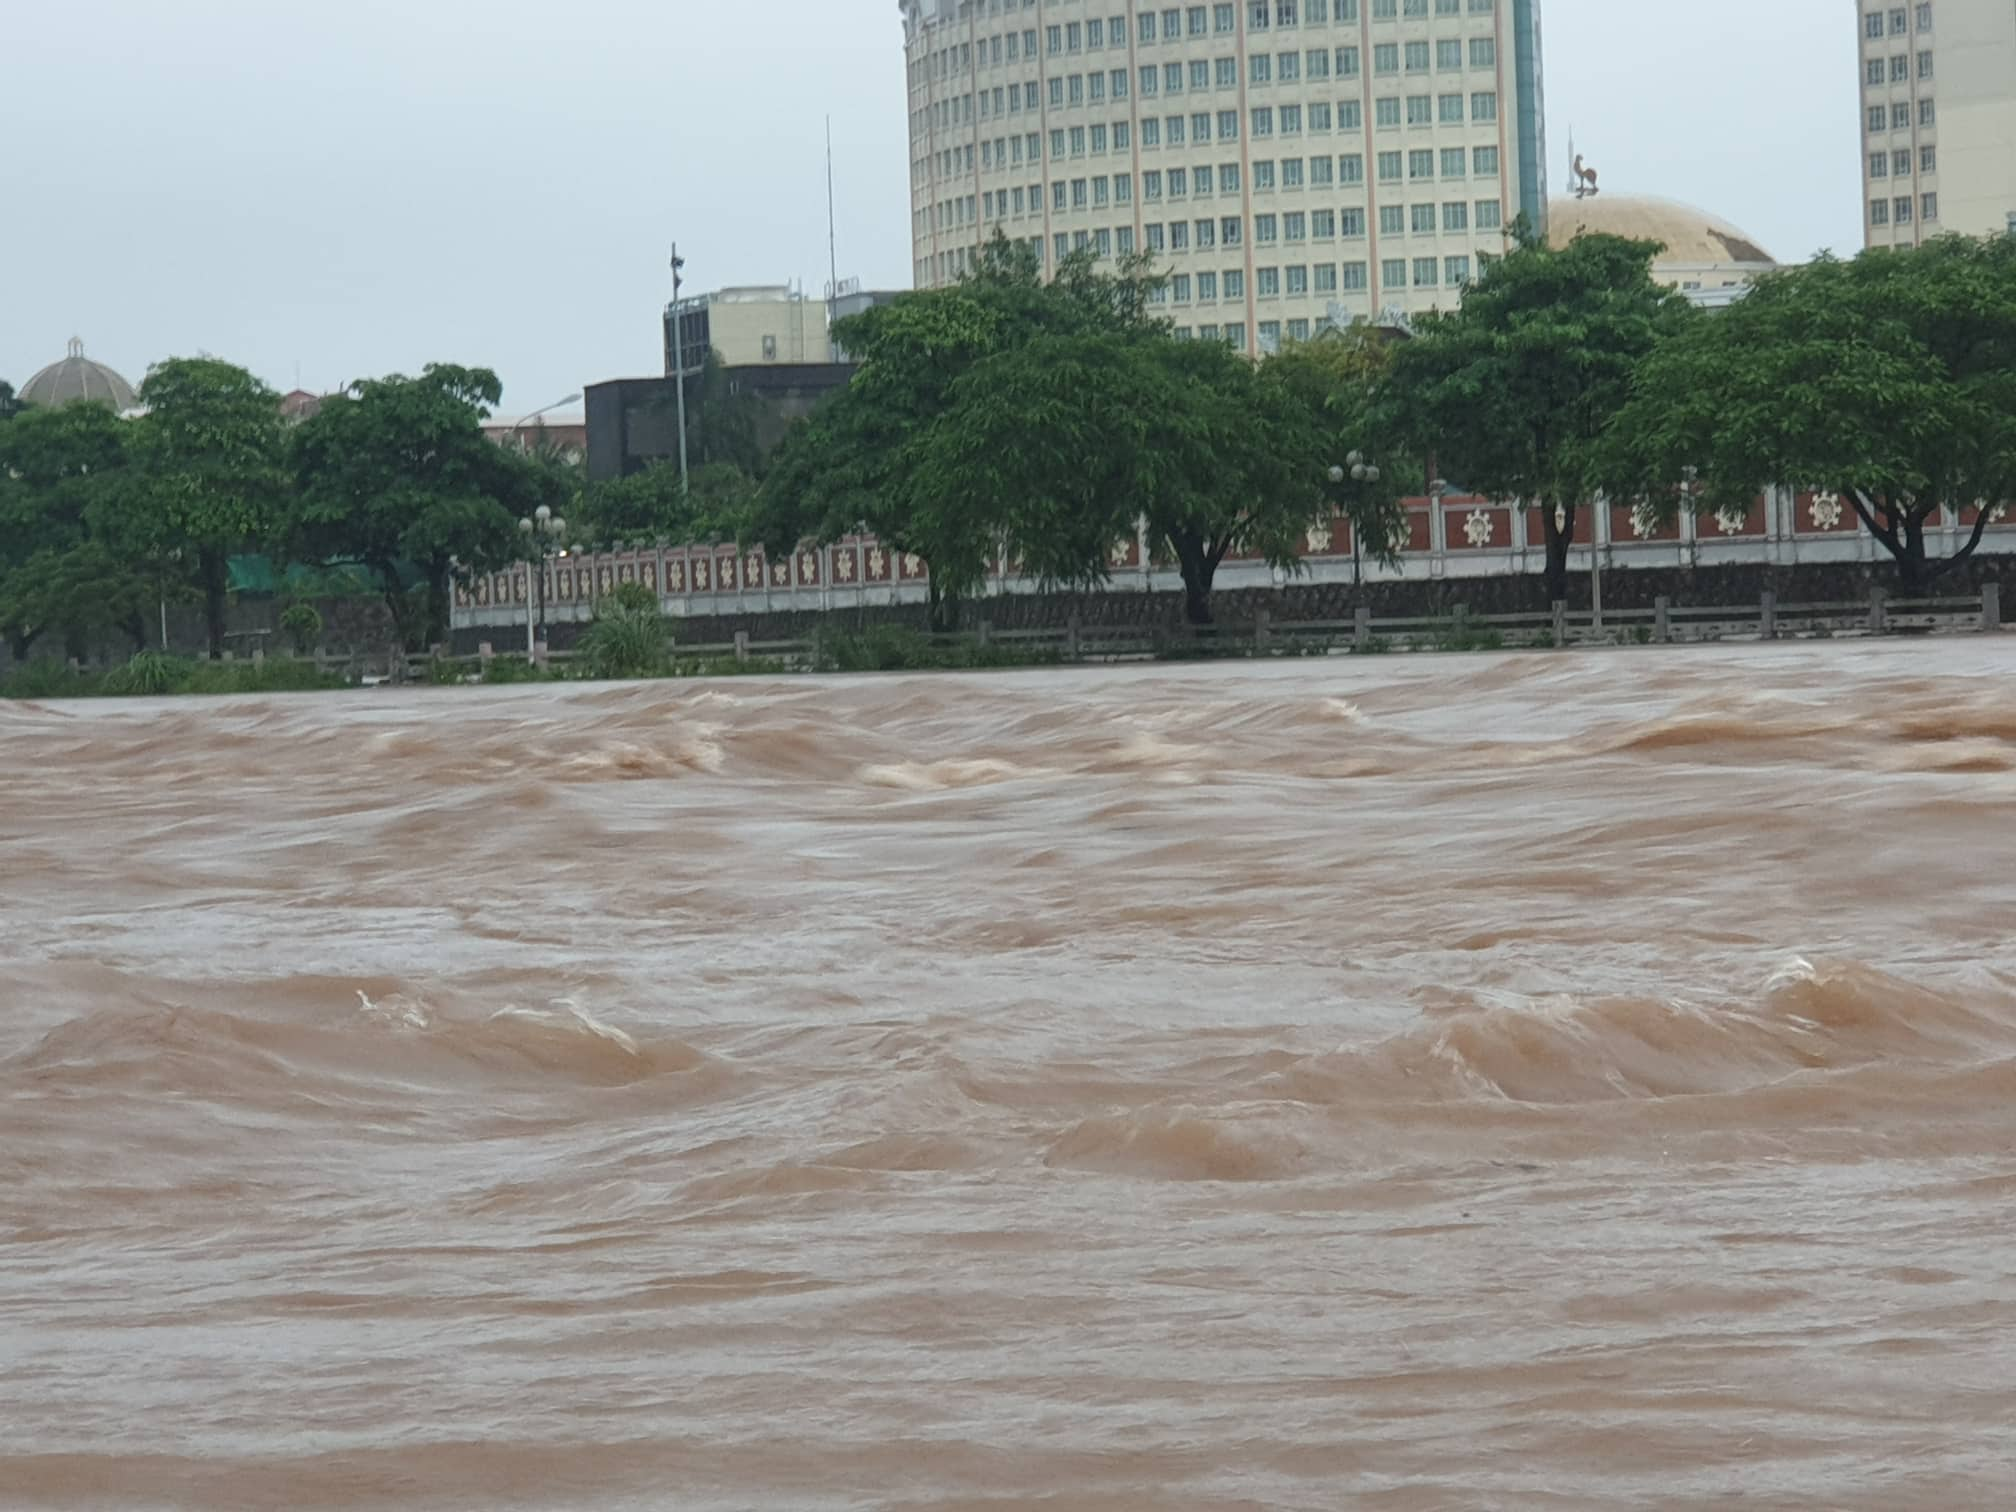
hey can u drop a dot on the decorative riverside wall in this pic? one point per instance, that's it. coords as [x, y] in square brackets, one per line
[1454, 550]
[1624, 588]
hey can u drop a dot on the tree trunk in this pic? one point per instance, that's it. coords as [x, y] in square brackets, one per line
[1559, 538]
[134, 624]
[1911, 558]
[1200, 568]
[215, 569]
[439, 604]
[18, 644]
[395, 604]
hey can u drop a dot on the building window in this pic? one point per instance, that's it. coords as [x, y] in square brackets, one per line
[1928, 114]
[1449, 109]
[1267, 282]
[1452, 162]
[1484, 105]
[1347, 62]
[1322, 171]
[1417, 57]
[1421, 163]
[1456, 216]
[1393, 273]
[1351, 223]
[1900, 69]
[1449, 55]
[1390, 167]
[1263, 120]
[1879, 119]
[1879, 212]
[1235, 283]
[1900, 162]
[1326, 278]
[1354, 276]
[1270, 336]
[1228, 230]
[1899, 21]
[1879, 165]
[1928, 207]
[1901, 211]
[1423, 217]
[1265, 229]
[1484, 162]
[1900, 116]
[1925, 16]
[1456, 271]
[1207, 288]
[1179, 288]
[1928, 159]
[1323, 224]
[1392, 220]
[1427, 273]
[1295, 226]
[1291, 173]
[1351, 168]
[1490, 215]
[1483, 52]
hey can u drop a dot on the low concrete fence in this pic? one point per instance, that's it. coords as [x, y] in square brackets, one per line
[1664, 623]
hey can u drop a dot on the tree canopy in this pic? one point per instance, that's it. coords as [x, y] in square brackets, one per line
[1889, 379]
[1511, 392]
[208, 479]
[399, 471]
[1046, 421]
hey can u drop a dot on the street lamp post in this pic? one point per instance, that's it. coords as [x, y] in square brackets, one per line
[511, 435]
[1364, 474]
[540, 529]
[679, 360]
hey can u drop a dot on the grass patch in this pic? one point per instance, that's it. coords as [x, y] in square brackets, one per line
[156, 674]
[891, 648]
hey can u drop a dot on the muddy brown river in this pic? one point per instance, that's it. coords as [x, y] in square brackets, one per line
[1551, 1081]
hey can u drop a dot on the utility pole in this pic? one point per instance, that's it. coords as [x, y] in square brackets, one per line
[679, 361]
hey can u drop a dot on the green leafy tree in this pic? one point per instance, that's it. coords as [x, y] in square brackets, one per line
[1081, 436]
[1512, 392]
[652, 505]
[1336, 378]
[207, 479]
[1890, 379]
[10, 406]
[62, 470]
[398, 473]
[860, 463]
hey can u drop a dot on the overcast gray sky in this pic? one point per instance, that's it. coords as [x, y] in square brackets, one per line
[364, 187]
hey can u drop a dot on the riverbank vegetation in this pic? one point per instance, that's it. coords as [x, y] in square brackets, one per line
[1059, 425]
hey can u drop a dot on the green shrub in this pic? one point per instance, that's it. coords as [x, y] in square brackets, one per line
[514, 669]
[47, 677]
[301, 623]
[625, 642]
[893, 648]
[630, 598]
[150, 674]
[1375, 645]
[278, 675]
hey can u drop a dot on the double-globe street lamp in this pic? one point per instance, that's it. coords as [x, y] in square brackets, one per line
[1364, 474]
[542, 529]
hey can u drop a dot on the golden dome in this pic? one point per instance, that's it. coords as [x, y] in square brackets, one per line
[1692, 238]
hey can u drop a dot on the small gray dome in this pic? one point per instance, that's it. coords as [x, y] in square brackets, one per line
[76, 380]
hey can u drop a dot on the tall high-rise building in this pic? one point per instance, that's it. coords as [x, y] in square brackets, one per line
[1287, 162]
[1939, 118]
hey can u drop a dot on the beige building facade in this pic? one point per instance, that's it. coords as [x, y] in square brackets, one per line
[1288, 163]
[749, 326]
[1938, 118]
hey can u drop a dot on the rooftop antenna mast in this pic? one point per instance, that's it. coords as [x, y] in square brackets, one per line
[832, 245]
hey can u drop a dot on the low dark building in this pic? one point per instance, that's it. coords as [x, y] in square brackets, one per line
[633, 422]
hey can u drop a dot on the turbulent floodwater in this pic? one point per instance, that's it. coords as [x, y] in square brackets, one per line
[1561, 1081]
